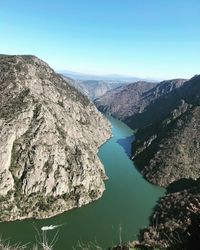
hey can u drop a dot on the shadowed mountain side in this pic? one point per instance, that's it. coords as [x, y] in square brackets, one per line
[175, 221]
[182, 184]
[167, 146]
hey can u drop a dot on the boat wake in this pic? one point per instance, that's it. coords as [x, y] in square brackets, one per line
[51, 227]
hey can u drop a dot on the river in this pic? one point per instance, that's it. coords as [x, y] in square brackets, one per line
[125, 206]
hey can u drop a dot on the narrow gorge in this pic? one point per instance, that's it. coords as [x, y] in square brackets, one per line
[166, 119]
[51, 134]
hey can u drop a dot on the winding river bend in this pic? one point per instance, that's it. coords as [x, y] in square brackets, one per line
[127, 203]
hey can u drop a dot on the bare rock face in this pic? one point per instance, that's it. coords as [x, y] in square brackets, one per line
[49, 138]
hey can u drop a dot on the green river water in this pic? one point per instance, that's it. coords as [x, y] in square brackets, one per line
[127, 203]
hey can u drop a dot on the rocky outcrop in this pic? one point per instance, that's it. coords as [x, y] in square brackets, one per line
[49, 138]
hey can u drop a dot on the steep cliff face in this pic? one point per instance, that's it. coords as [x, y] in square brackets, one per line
[168, 149]
[49, 138]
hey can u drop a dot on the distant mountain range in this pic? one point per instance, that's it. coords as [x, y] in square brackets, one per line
[94, 88]
[110, 77]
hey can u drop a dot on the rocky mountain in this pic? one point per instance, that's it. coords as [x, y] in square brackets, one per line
[49, 138]
[125, 101]
[128, 103]
[166, 118]
[167, 149]
[167, 152]
[94, 88]
[156, 107]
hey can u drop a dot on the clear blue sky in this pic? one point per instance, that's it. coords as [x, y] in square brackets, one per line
[146, 38]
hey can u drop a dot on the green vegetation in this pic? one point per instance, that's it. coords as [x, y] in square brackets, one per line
[61, 104]
[15, 105]
[14, 168]
[43, 205]
[36, 111]
[48, 167]
[61, 132]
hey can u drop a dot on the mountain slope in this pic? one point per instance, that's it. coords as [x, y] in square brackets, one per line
[166, 118]
[129, 103]
[157, 108]
[49, 137]
[174, 223]
[124, 101]
[168, 149]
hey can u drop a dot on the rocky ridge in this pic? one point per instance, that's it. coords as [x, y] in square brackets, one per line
[49, 138]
